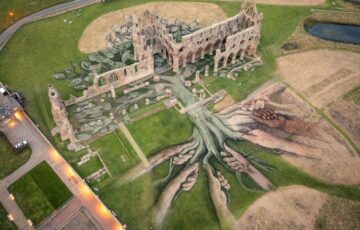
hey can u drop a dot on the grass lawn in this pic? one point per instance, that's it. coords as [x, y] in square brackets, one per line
[11, 160]
[40, 192]
[22, 8]
[89, 167]
[116, 152]
[5, 224]
[42, 48]
[160, 130]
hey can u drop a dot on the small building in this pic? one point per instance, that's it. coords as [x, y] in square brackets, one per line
[8, 104]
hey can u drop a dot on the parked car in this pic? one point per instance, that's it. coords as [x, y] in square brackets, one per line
[21, 144]
[3, 91]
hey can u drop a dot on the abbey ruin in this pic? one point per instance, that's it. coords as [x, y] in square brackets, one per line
[238, 35]
[230, 40]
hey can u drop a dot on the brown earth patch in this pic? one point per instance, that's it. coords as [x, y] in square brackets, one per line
[286, 2]
[319, 73]
[292, 207]
[93, 38]
[346, 114]
[330, 218]
[291, 2]
[224, 103]
[324, 77]
[330, 157]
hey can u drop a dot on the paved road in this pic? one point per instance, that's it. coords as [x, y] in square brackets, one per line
[43, 150]
[17, 131]
[55, 10]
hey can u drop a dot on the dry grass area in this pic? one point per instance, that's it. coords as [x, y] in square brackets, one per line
[224, 103]
[291, 2]
[287, 2]
[346, 114]
[324, 77]
[318, 74]
[331, 159]
[330, 218]
[93, 38]
[292, 207]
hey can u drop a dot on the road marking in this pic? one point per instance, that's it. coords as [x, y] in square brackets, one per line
[134, 144]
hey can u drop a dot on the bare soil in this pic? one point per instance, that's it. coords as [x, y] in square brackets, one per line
[292, 207]
[346, 114]
[330, 157]
[330, 218]
[324, 77]
[319, 73]
[224, 103]
[93, 38]
[291, 2]
[287, 2]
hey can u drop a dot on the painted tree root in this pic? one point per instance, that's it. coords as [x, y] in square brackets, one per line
[219, 198]
[240, 164]
[185, 181]
[241, 121]
[155, 160]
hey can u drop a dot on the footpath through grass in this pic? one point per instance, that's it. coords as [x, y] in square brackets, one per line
[39, 193]
[10, 160]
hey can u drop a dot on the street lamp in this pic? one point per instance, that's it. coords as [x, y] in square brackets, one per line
[11, 14]
[10, 217]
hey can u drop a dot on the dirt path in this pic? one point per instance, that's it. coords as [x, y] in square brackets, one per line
[93, 38]
[134, 144]
[292, 207]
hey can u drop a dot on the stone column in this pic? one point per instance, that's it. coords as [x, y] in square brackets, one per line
[206, 71]
[176, 63]
[202, 54]
[193, 56]
[233, 58]
[112, 89]
[184, 62]
[225, 61]
[242, 53]
[211, 50]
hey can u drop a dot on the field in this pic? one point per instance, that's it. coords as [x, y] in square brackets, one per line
[5, 224]
[39, 193]
[29, 60]
[22, 8]
[116, 152]
[161, 130]
[11, 160]
[325, 71]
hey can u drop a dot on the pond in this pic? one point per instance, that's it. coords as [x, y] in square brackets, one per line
[335, 32]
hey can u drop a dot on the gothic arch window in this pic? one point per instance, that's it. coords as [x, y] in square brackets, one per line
[102, 81]
[114, 78]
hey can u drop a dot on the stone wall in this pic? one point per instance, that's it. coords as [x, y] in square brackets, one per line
[116, 78]
[63, 125]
